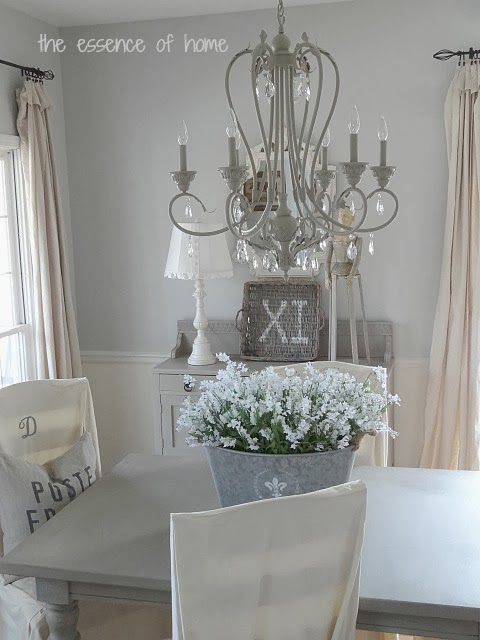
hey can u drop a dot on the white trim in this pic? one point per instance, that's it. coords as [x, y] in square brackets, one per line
[9, 142]
[11, 331]
[411, 363]
[131, 357]
[122, 357]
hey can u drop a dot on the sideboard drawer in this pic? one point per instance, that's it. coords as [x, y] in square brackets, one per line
[176, 384]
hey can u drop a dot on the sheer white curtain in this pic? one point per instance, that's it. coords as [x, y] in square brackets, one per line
[57, 349]
[452, 415]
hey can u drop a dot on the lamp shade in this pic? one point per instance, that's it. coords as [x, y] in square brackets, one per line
[191, 257]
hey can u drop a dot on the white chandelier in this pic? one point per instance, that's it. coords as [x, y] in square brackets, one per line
[289, 214]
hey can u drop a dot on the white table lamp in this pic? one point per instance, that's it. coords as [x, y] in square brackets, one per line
[199, 258]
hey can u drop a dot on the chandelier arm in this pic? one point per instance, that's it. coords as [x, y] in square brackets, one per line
[238, 223]
[261, 48]
[295, 156]
[256, 227]
[316, 224]
[230, 104]
[301, 50]
[186, 194]
[234, 230]
[267, 152]
[270, 129]
[283, 179]
[344, 230]
[304, 247]
[307, 102]
[312, 123]
[324, 195]
[295, 186]
[338, 226]
[311, 216]
[298, 56]
[332, 107]
[392, 217]
[276, 152]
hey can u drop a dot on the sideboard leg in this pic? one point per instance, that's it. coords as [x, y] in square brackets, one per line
[353, 322]
[62, 621]
[332, 331]
[364, 320]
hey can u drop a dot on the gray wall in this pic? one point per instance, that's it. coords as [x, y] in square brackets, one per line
[121, 114]
[19, 35]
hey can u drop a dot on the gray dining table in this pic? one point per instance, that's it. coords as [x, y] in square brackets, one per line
[420, 560]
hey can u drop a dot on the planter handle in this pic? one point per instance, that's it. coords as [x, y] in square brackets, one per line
[238, 328]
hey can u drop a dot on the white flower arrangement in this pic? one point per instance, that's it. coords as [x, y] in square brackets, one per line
[265, 412]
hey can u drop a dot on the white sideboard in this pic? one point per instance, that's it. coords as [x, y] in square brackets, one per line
[170, 390]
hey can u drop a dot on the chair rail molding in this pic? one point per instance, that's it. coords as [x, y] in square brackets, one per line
[122, 357]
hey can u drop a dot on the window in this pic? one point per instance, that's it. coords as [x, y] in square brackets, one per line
[16, 353]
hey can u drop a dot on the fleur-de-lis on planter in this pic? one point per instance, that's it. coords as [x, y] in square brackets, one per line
[276, 487]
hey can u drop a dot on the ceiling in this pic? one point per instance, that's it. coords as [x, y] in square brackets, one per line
[68, 13]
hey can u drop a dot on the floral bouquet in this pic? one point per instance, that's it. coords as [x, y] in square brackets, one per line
[266, 412]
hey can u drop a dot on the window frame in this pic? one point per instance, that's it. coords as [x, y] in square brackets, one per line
[20, 262]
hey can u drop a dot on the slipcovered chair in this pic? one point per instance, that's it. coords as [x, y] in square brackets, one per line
[40, 420]
[275, 569]
[373, 451]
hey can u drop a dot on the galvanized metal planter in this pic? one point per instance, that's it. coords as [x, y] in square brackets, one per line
[246, 477]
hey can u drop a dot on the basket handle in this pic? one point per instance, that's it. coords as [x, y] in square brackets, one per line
[237, 320]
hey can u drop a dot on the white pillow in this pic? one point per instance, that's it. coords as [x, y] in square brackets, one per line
[31, 494]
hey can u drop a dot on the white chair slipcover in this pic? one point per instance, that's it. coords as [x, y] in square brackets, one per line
[270, 570]
[41, 419]
[62, 410]
[373, 451]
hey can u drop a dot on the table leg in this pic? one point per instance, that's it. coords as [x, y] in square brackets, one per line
[62, 621]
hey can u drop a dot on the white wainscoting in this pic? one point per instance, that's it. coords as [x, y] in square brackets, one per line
[122, 390]
[123, 395]
[410, 383]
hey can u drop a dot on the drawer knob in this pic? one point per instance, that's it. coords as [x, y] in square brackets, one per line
[189, 386]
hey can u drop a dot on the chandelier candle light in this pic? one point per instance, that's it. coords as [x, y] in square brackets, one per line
[282, 227]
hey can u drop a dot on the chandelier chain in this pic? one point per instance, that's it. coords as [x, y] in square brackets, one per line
[281, 15]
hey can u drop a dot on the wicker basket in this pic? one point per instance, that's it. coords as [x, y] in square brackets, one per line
[281, 321]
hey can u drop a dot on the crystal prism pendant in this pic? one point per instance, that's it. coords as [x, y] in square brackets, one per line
[315, 266]
[297, 88]
[352, 208]
[190, 247]
[242, 255]
[237, 211]
[255, 263]
[380, 205]
[269, 87]
[307, 91]
[188, 209]
[306, 262]
[300, 258]
[323, 244]
[371, 246]
[270, 262]
[352, 251]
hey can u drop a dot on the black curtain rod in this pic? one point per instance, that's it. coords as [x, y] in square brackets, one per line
[446, 54]
[30, 72]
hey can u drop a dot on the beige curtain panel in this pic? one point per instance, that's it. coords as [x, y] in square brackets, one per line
[56, 341]
[452, 415]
